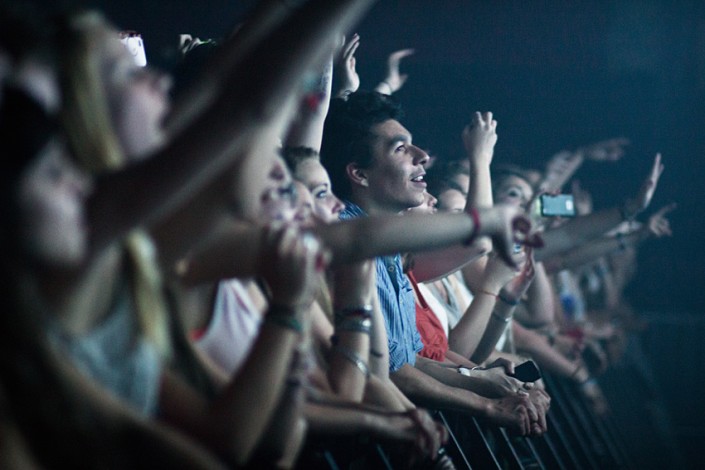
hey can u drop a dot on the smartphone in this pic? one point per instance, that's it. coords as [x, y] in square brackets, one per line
[559, 205]
[527, 372]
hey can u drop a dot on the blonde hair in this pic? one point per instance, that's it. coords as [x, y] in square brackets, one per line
[86, 118]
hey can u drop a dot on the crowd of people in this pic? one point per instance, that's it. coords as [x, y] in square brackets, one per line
[225, 267]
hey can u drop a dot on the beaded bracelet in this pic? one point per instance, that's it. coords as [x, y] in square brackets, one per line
[353, 357]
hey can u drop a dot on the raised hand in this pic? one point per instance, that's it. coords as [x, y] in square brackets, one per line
[506, 226]
[632, 207]
[581, 198]
[607, 150]
[559, 169]
[394, 80]
[291, 265]
[497, 273]
[511, 412]
[658, 225]
[480, 137]
[346, 78]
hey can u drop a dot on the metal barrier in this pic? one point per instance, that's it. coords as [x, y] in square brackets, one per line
[577, 437]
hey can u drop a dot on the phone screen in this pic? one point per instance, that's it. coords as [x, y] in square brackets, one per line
[559, 205]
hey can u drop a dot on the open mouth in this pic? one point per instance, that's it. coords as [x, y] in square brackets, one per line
[419, 179]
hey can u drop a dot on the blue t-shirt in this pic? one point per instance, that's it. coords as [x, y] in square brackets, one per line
[396, 298]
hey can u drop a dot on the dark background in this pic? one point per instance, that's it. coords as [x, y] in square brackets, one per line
[556, 74]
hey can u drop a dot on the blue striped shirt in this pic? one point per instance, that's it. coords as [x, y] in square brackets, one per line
[396, 299]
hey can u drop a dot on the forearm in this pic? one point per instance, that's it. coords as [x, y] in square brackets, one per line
[307, 128]
[577, 232]
[536, 346]
[287, 425]
[496, 326]
[539, 307]
[451, 377]
[432, 265]
[234, 252]
[384, 394]
[426, 391]
[265, 17]
[480, 193]
[466, 336]
[390, 235]
[590, 252]
[150, 189]
[379, 345]
[345, 376]
[235, 422]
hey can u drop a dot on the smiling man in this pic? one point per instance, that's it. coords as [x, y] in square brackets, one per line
[377, 169]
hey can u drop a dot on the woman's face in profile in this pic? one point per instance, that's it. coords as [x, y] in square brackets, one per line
[326, 205]
[138, 99]
[51, 196]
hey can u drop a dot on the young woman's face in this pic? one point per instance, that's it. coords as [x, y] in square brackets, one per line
[514, 191]
[137, 97]
[51, 197]
[454, 198]
[427, 207]
[326, 206]
[304, 206]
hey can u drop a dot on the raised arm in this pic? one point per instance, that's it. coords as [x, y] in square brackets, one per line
[394, 80]
[230, 425]
[465, 337]
[265, 18]
[508, 298]
[563, 165]
[307, 128]
[658, 226]
[479, 139]
[259, 105]
[583, 229]
[345, 77]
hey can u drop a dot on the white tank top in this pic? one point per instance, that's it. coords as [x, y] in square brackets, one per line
[234, 326]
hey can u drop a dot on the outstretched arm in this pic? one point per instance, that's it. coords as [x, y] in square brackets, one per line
[657, 227]
[258, 106]
[583, 229]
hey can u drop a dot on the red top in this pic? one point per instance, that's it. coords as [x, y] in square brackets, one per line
[433, 337]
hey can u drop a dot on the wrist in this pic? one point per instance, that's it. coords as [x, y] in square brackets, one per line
[474, 215]
[509, 299]
[629, 210]
[384, 84]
